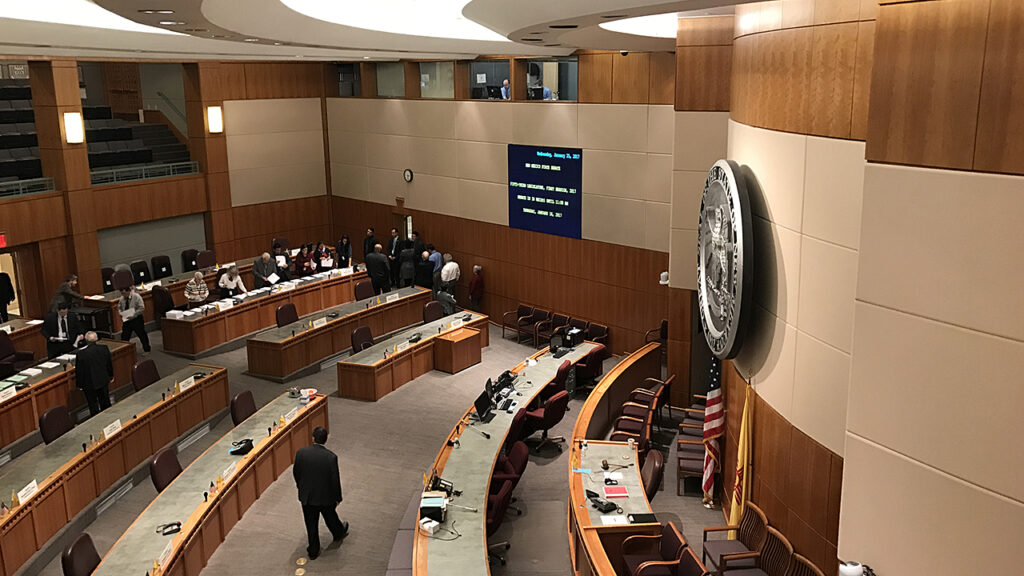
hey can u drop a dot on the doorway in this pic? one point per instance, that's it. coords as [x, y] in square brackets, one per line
[7, 267]
[403, 222]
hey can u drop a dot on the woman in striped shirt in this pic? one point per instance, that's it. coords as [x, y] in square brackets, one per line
[196, 291]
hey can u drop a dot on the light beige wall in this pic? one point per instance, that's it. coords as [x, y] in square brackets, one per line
[806, 230]
[934, 421]
[275, 150]
[458, 151]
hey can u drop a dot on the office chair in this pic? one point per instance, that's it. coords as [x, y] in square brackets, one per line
[517, 319]
[286, 314]
[80, 557]
[516, 430]
[637, 551]
[432, 311]
[497, 505]
[12, 360]
[107, 275]
[243, 405]
[161, 266]
[144, 373]
[189, 262]
[141, 271]
[164, 468]
[652, 472]
[163, 302]
[361, 339]
[589, 370]
[122, 279]
[206, 259]
[548, 417]
[510, 466]
[363, 290]
[54, 423]
[556, 385]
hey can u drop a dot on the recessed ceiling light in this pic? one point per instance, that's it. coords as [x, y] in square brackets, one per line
[552, 45]
[277, 43]
[218, 36]
[252, 40]
[366, 57]
[538, 32]
[171, 23]
[196, 30]
[75, 13]
[563, 26]
[156, 11]
[610, 16]
[532, 39]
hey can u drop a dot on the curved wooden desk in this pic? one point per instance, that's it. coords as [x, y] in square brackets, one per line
[469, 467]
[26, 334]
[594, 547]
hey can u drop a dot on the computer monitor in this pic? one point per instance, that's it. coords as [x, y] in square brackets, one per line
[489, 388]
[482, 405]
[556, 342]
[479, 93]
[535, 93]
[494, 92]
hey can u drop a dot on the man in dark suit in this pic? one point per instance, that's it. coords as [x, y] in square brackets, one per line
[6, 295]
[94, 371]
[378, 269]
[319, 482]
[394, 249]
[61, 331]
[369, 242]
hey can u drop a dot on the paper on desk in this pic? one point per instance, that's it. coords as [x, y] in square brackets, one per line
[613, 475]
[66, 357]
[95, 297]
[614, 520]
[16, 378]
[239, 296]
[31, 372]
[273, 278]
[34, 322]
[49, 365]
[6, 329]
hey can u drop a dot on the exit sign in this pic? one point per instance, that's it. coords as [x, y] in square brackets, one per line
[3, 240]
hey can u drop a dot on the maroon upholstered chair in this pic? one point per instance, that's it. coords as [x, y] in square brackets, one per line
[773, 559]
[363, 290]
[362, 339]
[652, 472]
[80, 557]
[286, 314]
[654, 554]
[497, 505]
[163, 302]
[547, 417]
[161, 266]
[517, 319]
[516, 430]
[556, 385]
[144, 373]
[750, 536]
[511, 466]
[54, 423]
[547, 328]
[12, 360]
[122, 279]
[432, 311]
[206, 259]
[242, 406]
[164, 468]
[590, 369]
[189, 260]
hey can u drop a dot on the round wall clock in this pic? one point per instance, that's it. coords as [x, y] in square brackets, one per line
[407, 175]
[725, 266]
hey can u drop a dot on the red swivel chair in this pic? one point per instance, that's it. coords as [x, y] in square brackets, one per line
[652, 472]
[286, 314]
[510, 467]
[122, 279]
[363, 290]
[547, 417]
[164, 468]
[206, 259]
[590, 369]
[144, 373]
[54, 423]
[556, 385]
[242, 406]
[80, 558]
[362, 339]
[497, 505]
[516, 430]
[432, 311]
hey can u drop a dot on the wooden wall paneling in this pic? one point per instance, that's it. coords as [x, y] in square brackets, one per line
[1000, 142]
[518, 79]
[862, 79]
[412, 80]
[705, 31]
[149, 200]
[122, 85]
[55, 265]
[283, 80]
[462, 80]
[925, 92]
[20, 218]
[662, 85]
[831, 82]
[703, 77]
[631, 78]
[595, 78]
[367, 80]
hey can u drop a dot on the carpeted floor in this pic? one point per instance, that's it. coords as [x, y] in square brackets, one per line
[384, 447]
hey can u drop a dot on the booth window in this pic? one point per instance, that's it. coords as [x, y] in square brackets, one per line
[437, 80]
[390, 80]
[348, 80]
[551, 79]
[486, 78]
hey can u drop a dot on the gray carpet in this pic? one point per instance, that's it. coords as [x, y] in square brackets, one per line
[383, 448]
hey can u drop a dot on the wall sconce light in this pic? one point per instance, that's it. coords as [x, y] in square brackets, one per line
[214, 119]
[74, 128]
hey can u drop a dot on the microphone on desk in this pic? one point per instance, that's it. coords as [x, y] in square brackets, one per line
[463, 507]
[480, 432]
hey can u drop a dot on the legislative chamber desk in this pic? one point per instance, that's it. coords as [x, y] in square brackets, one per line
[27, 335]
[175, 283]
[596, 548]
[55, 386]
[205, 524]
[281, 354]
[469, 468]
[206, 330]
[391, 362]
[69, 479]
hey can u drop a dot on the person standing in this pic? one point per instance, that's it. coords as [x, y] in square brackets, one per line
[61, 332]
[231, 283]
[66, 293]
[424, 275]
[417, 244]
[318, 480]
[305, 265]
[394, 249]
[131, 307]
[378, 270]
[407, 265]
[476, 288]
[6, 295]
[438, 262]
[94, 371]
[368, 243]
[450, 274]
[344, 250]
[196, 291]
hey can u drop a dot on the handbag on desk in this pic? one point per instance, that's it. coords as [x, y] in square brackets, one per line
[241, 448]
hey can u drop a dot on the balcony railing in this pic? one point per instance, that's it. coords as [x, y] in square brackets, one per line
[22, 187]
[144, 172]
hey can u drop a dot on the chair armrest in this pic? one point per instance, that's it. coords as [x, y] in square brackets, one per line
[637, 404]
[637, 540]
[726, 558]
[627, 418]
[652, 331]
[637, 397]
[700, 396]
[643, 391]
[718, 529]
[652, 564]
[524, 319]
[689, 442]
[622, 433]
[504, 317]
[502, 477]
[694, 426]
[541, 323]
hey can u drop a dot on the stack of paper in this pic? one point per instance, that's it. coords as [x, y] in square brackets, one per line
[66, 357]
[49, 365]
[34, 322]
[31, 372]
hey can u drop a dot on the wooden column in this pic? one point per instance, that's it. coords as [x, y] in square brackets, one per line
[412, 80]
[462, 80]
[367, 80]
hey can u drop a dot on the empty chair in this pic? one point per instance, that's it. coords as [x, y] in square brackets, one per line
[54, 423]
[650, 554]
[539, 316]
[557, 383]
[243, 405]
[657, 396]
[547, 417]
[80, 557]
[497, 505]
[361, 339]
[363, 290]
[590, 369]
[517, 319]
[659, 334]
[107, 274]
[164, 468]
[545, 329]
[510, 466]
[188, 260]
[652, 472]
[163, 302]
[122, 279]
[12, 360]
[286, 314]
[801, 566]
[144, 373]
[206, 259]
[285, 245]
[598, 333]
[750, 536]
[432, 311]
[773, 559]
[516, 430]
[161, 266]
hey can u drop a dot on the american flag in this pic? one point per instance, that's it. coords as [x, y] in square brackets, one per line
[714, 426]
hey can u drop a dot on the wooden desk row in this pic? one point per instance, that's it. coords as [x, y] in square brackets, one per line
[596, 549]
[26, 334]
[69, 479]
[209, 522]
[19, 415]
[281, 353]
[193, 335]
[379, 370]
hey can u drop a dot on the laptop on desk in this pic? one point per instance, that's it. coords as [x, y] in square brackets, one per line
[483, 407]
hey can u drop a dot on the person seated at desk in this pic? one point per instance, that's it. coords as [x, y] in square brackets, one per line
[66, 294]
[231, 283]
[323, 257]
[283, 261]
[378, 270]
[196, 291]
[344, 250]
[506, 90]
[262, 269]
[61, 331]
[305, 265]
[94, 371]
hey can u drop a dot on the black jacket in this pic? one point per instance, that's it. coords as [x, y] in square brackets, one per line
[66, 294]
[93, 367]
[407, 264]
[368, 243]
[317, 476]
[51, 330]
[344, 256]
[6, 289]
[424, 273]
[377, 268]
[394, 246]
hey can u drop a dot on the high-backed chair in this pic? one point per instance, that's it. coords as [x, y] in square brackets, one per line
[750, 537]
[243, 405]
[547, 328]
[122, 279]
[538, 317]
[55, 422]
[107, 275]
[144, 373]
[140, 269]
[163, 302]
[432, 311]
[12, 360]
[659, 334]
[557, 383]
[164, 468]
[547, 417]
[80, 557]
[497, 505]
[598, 333]
[220, 292]
[161, 266]
[801, 566]
[282, 241]
[189, 260]
[363, 290]
[286, 314]
[517, 319]
[206, 259]
[590, 369]
[652, 472]
[516, 430]
[654, 554]
[511, 467]
[773, 559]
[362, 339]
